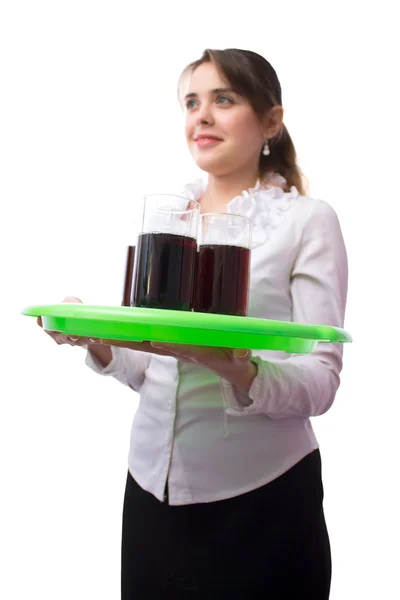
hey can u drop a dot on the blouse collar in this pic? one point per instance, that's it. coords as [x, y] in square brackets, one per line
[266, 204]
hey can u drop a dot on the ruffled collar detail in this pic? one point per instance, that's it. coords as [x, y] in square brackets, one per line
[266, 204]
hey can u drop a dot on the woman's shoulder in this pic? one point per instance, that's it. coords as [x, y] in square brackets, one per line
[314, 209]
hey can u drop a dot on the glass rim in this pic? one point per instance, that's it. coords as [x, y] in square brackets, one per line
[224, 214]
[197, 204]
[246, 246]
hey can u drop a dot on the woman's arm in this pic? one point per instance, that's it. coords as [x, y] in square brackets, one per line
[304, 385]
[101, 353]
[125, 365]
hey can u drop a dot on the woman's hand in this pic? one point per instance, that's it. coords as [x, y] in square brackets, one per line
[71, 340]
[101, 351]
[234, 365]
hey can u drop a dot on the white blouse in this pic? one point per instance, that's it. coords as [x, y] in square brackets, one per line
[191, 426]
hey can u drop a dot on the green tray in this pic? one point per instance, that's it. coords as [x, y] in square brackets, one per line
[139, 324]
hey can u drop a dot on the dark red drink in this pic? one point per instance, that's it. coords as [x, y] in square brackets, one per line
[164, 274]
[127, 291]
[222, 280]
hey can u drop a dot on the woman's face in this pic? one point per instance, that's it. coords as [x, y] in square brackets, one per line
[223, 132]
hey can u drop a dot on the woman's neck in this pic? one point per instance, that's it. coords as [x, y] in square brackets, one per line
[221, 190]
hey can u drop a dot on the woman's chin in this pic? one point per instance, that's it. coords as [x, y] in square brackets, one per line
[212, 167]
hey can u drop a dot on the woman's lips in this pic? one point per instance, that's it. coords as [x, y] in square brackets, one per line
[207, 141]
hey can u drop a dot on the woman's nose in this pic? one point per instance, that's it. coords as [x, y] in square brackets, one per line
[205, 115]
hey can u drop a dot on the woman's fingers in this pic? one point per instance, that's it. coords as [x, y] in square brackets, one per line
[140, 346]
[72, 300]
[240, 355]
[74, 340]
[71, 340]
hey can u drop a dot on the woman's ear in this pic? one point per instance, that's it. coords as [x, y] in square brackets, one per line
[272, 122]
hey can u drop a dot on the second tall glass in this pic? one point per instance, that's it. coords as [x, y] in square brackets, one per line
[223, 264]
[166, 253]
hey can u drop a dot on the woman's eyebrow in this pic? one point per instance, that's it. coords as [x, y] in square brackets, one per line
[214, 92]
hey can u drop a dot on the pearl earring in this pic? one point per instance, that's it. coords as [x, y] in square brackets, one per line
[266, 150]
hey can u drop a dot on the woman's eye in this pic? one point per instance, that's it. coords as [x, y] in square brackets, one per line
[190, 104]
[224, 100]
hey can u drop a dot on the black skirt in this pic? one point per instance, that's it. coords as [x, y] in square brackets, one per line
[269, 543]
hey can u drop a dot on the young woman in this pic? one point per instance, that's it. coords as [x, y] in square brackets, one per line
[224, 497]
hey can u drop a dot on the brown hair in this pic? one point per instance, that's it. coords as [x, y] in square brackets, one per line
[252, 76]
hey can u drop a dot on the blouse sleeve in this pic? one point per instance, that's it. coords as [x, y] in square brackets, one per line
[127, 366]
[304, 385]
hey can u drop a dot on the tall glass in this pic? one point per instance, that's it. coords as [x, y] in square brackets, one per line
[223, 264]
[166, 253]
[128, 278]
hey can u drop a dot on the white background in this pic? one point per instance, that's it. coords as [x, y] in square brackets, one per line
[89, 123]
